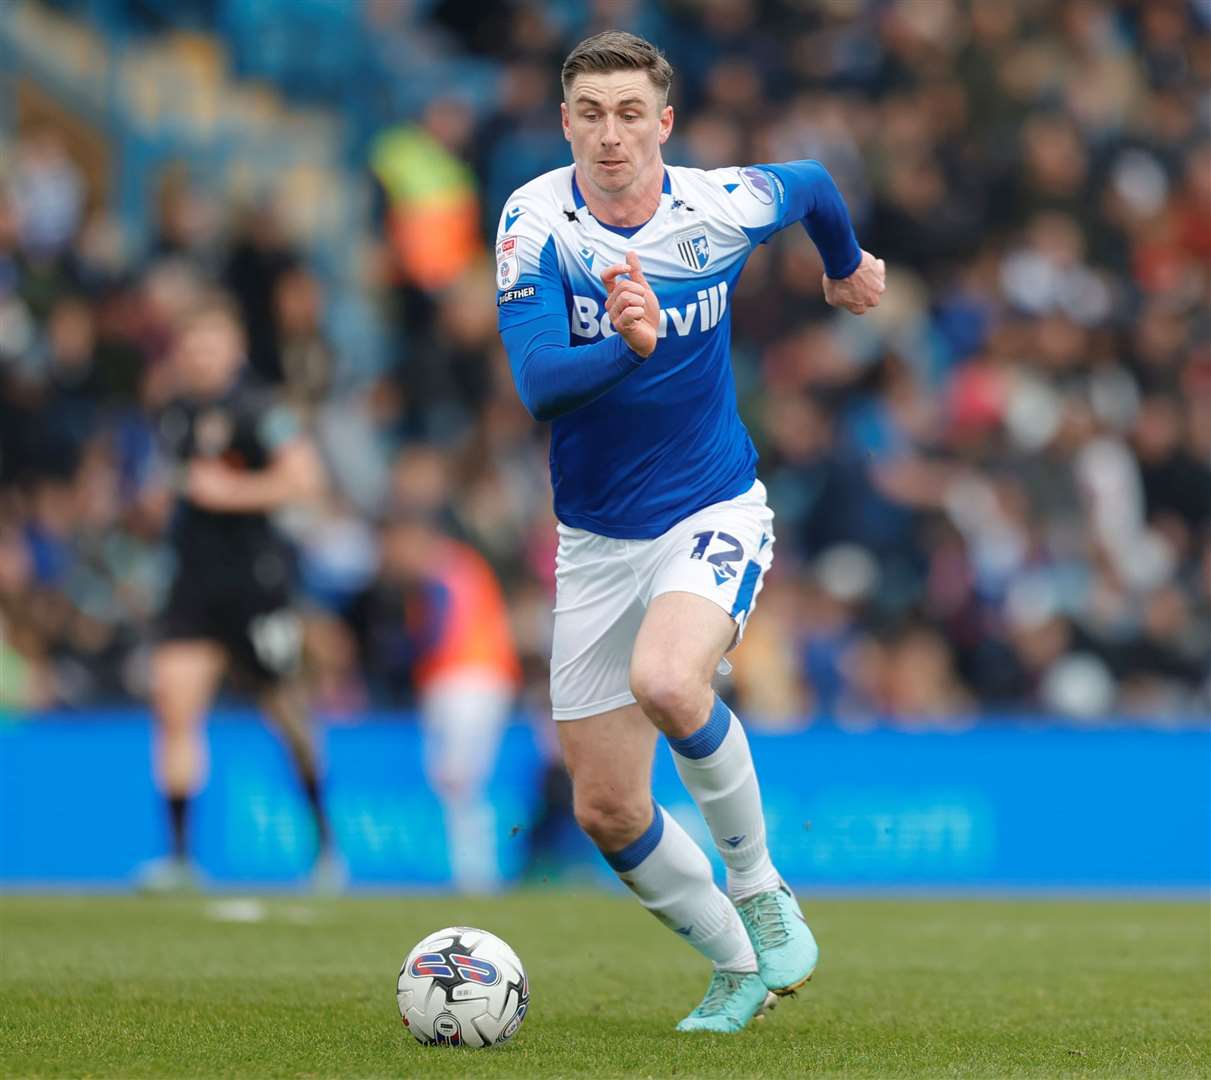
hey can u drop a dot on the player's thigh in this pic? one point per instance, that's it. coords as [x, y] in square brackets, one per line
[597, 615]
[609, 757]
[185, 674]
[680, 643]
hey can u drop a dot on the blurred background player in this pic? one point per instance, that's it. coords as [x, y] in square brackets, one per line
[437, 621]
[238, 456]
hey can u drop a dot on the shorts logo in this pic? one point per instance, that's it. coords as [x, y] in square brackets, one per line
[508, 263]
[277, 640]
[758, 183]
[694, 249]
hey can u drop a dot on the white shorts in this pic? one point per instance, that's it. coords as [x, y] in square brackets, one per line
[603, 587]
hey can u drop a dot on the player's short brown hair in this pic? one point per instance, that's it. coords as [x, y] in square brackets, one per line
[617, 50]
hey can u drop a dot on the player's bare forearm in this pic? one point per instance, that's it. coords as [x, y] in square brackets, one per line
[295, 475]
[861, 290]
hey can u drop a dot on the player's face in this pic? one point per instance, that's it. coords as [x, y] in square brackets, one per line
[616, 122]
[208, 354]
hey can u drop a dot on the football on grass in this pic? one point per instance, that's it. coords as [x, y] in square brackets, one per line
[462, 987]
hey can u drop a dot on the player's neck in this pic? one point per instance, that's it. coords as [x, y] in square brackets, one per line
[626, 209]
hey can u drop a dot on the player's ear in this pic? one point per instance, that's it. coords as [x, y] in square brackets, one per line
[666, 123]
[566, 119]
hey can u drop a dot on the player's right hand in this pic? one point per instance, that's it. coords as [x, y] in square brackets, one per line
[633, 307]
[861, 290]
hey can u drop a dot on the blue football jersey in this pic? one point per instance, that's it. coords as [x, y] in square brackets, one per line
[637, 445]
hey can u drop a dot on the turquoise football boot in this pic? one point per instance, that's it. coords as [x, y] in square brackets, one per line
[732, 1000]
[786, 951]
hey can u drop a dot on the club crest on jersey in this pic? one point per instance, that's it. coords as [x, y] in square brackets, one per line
[508, 265]
[694, 249]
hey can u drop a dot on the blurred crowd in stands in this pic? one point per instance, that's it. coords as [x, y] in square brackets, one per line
[993, 494]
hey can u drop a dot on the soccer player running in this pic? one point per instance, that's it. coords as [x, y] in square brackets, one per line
[239, 455]
[614, 279]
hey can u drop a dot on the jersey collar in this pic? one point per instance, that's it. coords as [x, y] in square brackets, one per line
[666, 188]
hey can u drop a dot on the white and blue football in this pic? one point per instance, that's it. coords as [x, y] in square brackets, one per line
[462, 987]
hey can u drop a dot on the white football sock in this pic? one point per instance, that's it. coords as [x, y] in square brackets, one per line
[671, 876]
[716, 766]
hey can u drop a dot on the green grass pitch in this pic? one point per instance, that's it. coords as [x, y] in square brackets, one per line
[290, 986]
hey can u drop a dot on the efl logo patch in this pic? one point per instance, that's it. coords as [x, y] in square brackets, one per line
[758, 183]
[508, 263]
[524, 293]
[694, 249]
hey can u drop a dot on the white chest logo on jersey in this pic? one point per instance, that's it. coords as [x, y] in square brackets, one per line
[508, 268]
[694, 249]
[699, 316]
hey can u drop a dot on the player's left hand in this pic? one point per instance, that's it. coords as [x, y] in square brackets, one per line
[633, 307]
[208, 484]
[861, 290]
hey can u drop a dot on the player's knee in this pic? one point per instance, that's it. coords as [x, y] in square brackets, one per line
[674, 699]
[610, 820]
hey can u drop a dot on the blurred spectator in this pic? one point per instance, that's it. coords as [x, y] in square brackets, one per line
[435, 626]
[432, 201]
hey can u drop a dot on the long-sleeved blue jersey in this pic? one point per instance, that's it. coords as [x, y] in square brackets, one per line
[637, 445]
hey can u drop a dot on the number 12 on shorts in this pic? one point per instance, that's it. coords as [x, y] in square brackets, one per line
[724, 559]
